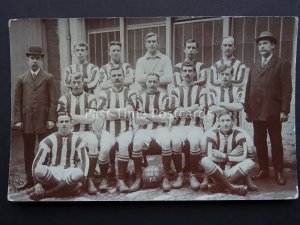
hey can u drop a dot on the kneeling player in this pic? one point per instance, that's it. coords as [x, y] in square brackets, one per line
[226, 160]
[153, 122]
[60, 163]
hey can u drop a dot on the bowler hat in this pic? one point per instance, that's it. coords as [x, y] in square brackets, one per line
[35, 50]
[266, 35]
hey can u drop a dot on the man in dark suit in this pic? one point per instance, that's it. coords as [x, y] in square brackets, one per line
[267, 104]
[34, 107]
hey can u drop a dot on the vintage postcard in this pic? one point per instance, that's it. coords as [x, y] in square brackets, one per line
[153, 109]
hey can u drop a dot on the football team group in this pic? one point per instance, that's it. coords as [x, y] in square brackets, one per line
[192, 109]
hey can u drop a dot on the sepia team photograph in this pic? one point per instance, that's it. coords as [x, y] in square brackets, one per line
[185, 108]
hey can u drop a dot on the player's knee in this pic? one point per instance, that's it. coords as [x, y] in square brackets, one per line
[206, 162]
[176, 144]
[138, 144]
[76, 175]
[40, 171]
[194, 145]
[250, 164]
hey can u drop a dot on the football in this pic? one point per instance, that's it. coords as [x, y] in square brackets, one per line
[152, 177]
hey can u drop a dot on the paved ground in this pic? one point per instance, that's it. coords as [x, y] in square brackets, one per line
[268, 190]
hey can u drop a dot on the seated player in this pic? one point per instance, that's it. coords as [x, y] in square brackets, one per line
[60, 164]
[226, 161]
[82, 106]
[188, 124]
[116, 106]
[153, 124]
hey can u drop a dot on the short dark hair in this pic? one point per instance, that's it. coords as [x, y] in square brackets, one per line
[82, 44]
[190, 40]
[188, 64]
[224, 67]
[225, 112]
[116, 68]
[114, 43]
[151, 34]
[153, 74]
[228, 37]
[77, 76]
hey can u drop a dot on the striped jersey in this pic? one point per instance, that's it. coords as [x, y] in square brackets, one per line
[216, 139]
[112, 99]
[67, 151]
[152, 104]
[186, 97]
[231, 94]
[78, 105]
[201, 75]
[105, 70]
[90, 74]
[239, 70]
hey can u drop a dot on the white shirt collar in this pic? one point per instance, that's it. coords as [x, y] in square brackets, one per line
[36, 72]
[267, 60]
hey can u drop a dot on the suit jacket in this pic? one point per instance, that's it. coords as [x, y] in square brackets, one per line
[35, 101]
[269, 90]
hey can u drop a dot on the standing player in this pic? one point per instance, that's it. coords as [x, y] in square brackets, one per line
[60, 163]
[153, 62]
[153, 130]
[90, 71]
[190, 51]
[228, 48]
[82, 106]
[188, 124]
[226, 160]
[116, 105]
[114, 52]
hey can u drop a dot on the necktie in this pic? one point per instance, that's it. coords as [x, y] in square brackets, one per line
[264, 61]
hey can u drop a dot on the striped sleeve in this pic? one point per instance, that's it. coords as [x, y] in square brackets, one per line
[94, 77]
[239, 96]
[177, 77]
[43, 155]
[67, 77]
[132, 98]
[62, 106]
[139, 105]
[211, 142]
[128, 70]
[102, 101]
[103, 76]
[239, 140]
[92, 102]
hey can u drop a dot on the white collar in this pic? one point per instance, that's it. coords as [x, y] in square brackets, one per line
[36, 72]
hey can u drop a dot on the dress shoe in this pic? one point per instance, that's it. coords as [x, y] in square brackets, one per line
[195, 184]
[103, 187]
[166, 186]
[122, 186]
[281, 180]
[90, 186]
[215, 188]
[261, 174]
[178, 182]
[137, 185]
[27, 184]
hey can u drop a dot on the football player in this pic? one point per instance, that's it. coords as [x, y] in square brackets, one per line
[90, 71]
[154, 120]
[226, 161]
[190, 51]
[60, 164]
[188, 124]
[239, 69]
[82, 106]
[116, 106]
